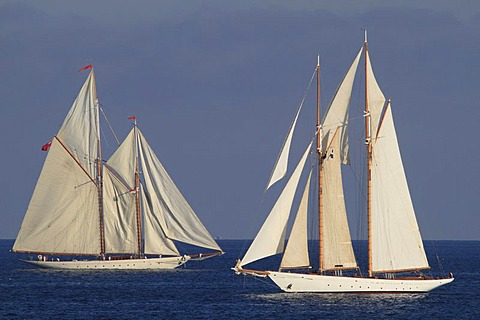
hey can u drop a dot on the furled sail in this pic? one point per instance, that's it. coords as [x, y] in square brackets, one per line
[271, 237]
[337, 112]
[296, 251]
[397, 243]
[169, 207]
[337, 244]
[63, 215]
[280, 168]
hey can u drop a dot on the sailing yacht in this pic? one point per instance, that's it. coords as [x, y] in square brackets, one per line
[396, 256]
[123, 213]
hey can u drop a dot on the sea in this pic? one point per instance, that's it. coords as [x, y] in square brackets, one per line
[209, 289]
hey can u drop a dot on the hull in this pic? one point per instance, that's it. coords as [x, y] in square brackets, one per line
[124, 264]
[296, 282]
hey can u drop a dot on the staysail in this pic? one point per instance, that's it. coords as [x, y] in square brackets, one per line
[271, 237]
[296, 251]
[337, 244]
[337, 112]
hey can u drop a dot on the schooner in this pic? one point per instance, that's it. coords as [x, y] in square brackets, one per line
[396, 256]
[123, 213]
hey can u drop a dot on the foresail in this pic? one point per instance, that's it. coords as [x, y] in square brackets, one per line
[79, 131]
[337, 244]
[280, 168]
[296, 251]
[62, 216]
[397, 243]
[271, 237]
[156, 242]
[169, 207]
[337, 113]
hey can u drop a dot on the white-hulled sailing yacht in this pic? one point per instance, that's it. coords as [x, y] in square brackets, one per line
[396, 256]
[125, 213]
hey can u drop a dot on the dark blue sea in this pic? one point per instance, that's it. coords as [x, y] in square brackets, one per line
[210, 290]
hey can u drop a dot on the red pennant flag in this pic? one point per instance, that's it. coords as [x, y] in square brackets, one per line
[132, 118]
[86, 67]
[46, 146]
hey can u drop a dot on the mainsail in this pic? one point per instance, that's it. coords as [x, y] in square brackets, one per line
[63, 214]
[397, 243]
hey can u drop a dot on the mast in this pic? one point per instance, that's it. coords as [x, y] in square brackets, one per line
[320, 174]
[137, 193]
[100, 180]
[368, 142]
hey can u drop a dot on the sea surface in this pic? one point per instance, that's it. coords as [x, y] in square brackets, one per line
[210, 290]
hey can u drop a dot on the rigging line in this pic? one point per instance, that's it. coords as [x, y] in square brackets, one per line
[109, 126]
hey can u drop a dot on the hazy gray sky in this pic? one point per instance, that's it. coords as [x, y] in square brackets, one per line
[215, 84]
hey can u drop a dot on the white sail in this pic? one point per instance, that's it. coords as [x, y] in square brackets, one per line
[376, 99]
[296, 251]
[119, 218]
[170, 208]
[271, 237]
[80, 131]
[280, 168]
[337, 244]
[62, 216]
[397, 244]
[337, 113]
[123, 161]
[156, 242]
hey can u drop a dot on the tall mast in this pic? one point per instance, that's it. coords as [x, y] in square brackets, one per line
[137, 193]
[320, 174]
[368, 142]
[99, 175]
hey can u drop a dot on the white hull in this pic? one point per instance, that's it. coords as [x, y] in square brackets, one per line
[296, 282]
[124, 264]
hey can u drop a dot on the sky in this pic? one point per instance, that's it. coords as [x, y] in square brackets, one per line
[215, 85]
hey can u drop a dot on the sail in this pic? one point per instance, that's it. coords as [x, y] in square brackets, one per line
[62, 216]
[156, 242]
[123, 161]
[170, 208]
[280, 168]
[296, 251]
[80, 129]
[271, 237]
[337, 244]
[337, 113]
[119, 218]
[396, 242]
[376, 99]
